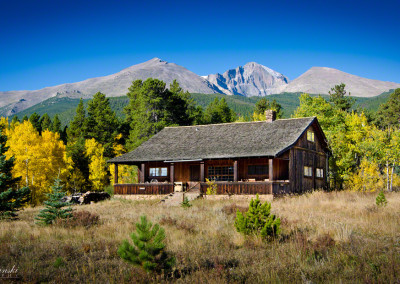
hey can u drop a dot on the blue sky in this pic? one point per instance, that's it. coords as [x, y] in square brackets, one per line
[45, 43]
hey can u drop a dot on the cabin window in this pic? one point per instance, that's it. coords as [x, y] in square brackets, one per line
[158, 172]
[310, 136]
[220, 173]
[257, 170]
[319, 173]
[308, 171]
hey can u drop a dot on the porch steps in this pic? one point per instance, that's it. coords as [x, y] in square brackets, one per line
[176, 198]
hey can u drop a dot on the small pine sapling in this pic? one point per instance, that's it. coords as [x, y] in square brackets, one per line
[258, 220]
[54, 206]
[186, 203]
[381, 199]
[148, 249]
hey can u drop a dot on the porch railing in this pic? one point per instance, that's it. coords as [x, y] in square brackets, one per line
[144, 188]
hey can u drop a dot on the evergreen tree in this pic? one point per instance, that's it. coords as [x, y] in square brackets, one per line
[15, 119]
[146, 110]
[263, 105]
[77, 125]
[79, 178]
[35, 121]
[388, 114]
[56, 125]
[337, 96]
[218, 111]
[101, 123]
[25, 118]
[148, 249]
[258, 220]
[11, 199]
[54, 206]
[381, 199]
[45, 122]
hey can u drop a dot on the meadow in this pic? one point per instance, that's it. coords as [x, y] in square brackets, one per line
[326, 237]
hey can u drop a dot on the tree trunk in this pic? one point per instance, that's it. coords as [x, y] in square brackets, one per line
[387, 175]
[391, 177]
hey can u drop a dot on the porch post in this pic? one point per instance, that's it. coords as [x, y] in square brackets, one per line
[202, 171]
[172, 173]
[115, 173]
[141, 179]
[235, 171]
[271, 169]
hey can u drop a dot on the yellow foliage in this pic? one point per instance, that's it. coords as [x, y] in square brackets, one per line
[39, 159]
[126, 173]
[258, 117]
[97, 165]
[3, 122]
[367, 178]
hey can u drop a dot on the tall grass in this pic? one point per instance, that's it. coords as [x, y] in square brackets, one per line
[325, 237]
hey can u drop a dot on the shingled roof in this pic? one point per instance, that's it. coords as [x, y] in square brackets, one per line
[228, 140]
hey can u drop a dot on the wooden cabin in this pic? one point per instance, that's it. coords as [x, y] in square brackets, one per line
[264, 157]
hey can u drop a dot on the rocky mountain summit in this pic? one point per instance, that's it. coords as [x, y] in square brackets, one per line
[250, 80]
[319, 80]
[113, 85]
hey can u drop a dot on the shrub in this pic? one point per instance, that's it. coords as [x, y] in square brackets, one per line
[54, 206]
[147, 250]
[258, 220]
[211, 187]
[381, 199]
[185, 203]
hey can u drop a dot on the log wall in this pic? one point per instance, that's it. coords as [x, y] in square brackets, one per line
[144, 188]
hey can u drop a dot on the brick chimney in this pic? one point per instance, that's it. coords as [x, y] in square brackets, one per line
[270, 115]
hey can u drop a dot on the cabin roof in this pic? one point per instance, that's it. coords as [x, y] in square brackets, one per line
[216, 141]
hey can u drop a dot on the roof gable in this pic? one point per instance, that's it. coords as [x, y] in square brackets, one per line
[228, 140]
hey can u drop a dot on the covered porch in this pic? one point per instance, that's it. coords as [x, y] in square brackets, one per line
[250, 175]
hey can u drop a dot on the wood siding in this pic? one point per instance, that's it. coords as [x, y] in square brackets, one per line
[311, 154]
[144, 188]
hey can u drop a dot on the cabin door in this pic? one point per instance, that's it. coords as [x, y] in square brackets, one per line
[194, 172]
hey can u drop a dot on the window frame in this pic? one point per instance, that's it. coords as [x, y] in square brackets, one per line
[308, 171]
[310, 136]
[220, 173]
[158, 172]
[319, 173]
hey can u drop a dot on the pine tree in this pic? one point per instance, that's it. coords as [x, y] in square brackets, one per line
[185, 203]
[101, 123]
[148, 249]
[56, 125]
[337, 96]
[54, 206]
[11, 199]
[258, 220]
[381, 199]
[15, 119]
[45, 122]
[25, 118]
[77, 125]
[35, 121]
[218, 111]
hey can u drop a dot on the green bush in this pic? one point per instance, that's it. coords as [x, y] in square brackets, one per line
[185, 203]
[381, 199]
[148, 249]
[258, 220]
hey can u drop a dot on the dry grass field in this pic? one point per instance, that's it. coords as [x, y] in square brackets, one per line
[326, 237]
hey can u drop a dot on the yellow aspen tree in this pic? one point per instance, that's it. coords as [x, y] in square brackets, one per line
[126, 173]
[39, 159]
[97, 165]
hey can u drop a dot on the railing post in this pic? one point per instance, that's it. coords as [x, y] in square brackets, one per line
[202, 171]
[115, 173]
[235, 171]
[172, 173]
